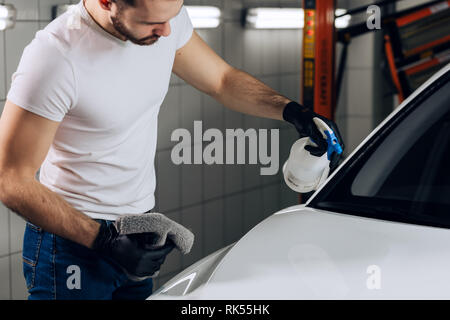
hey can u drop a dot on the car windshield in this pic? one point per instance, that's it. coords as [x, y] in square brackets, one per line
[403, 173]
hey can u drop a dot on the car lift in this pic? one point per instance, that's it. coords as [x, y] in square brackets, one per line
[417, 42]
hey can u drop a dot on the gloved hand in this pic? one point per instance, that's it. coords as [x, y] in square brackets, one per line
[129, 251]
[302, 118]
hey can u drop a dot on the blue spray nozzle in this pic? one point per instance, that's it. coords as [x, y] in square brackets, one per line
[329, 135]
[333, 144]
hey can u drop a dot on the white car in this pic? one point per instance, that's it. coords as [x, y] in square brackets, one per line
[379, 227]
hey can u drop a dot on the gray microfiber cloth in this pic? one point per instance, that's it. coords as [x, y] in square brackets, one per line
[161, 226]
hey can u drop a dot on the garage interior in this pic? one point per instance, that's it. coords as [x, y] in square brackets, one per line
[220, 203]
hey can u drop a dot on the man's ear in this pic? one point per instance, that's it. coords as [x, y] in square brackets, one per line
[105, 4]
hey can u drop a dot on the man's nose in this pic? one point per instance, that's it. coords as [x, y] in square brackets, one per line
[163, 30]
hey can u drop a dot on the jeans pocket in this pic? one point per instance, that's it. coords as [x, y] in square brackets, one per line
[31, 244]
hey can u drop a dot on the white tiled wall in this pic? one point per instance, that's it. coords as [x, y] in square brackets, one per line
[5, 280]
[4, 231]
[213, 225]
[18, 287]
[406, 4]
[193, 219]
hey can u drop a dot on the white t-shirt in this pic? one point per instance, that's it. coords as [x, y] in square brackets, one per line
[106, 94]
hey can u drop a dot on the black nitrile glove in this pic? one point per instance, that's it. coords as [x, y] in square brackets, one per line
[129, 251]
[302, 118]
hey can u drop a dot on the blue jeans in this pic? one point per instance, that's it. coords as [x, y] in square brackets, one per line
[57, 268]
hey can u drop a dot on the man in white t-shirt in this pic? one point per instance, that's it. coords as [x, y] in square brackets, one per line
[83, 107]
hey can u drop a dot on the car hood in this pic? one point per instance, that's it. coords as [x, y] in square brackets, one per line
[304, 253]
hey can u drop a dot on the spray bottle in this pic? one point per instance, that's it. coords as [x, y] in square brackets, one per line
[304, 172]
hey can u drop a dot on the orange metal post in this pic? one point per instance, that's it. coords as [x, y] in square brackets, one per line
[318, 58]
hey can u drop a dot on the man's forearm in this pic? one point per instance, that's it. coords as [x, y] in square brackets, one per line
[244, 93]
[46, 209]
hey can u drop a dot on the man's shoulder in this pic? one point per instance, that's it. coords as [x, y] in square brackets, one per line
[52, 46]
[63, 33]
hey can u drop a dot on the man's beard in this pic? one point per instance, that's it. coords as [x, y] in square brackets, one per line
[120, 28]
